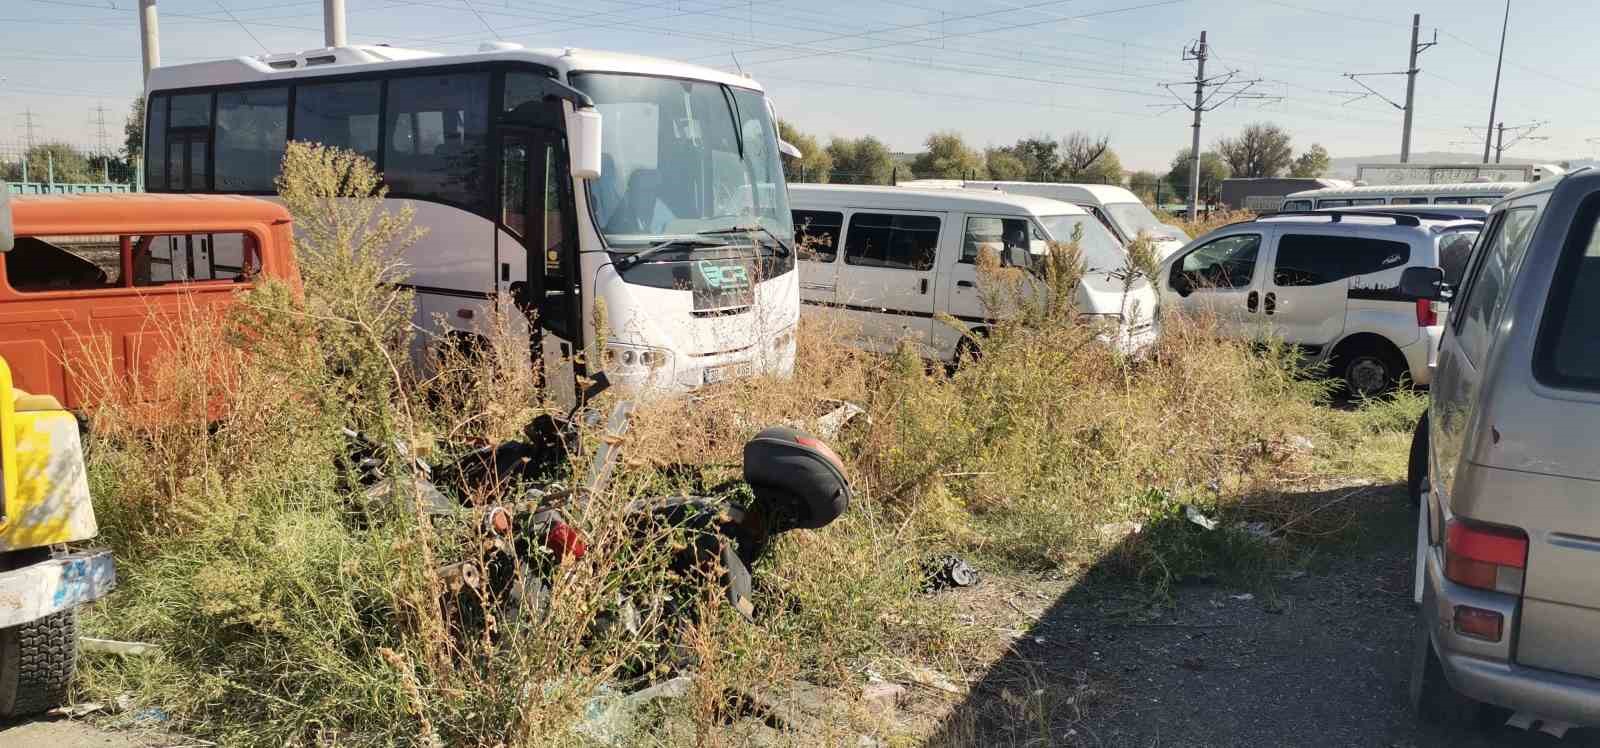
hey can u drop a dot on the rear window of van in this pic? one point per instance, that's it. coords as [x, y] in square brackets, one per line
[1568, 351]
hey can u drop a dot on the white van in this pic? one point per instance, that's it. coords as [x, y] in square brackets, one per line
[1120, 210]
[890, 259]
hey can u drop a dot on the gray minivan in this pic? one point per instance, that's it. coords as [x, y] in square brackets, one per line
[1506, 471]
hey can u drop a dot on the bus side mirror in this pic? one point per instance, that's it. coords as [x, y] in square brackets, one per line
[1422, 283]
[583, 138]
[8, 238]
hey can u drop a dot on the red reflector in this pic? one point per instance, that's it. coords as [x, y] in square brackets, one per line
[500, 521]
[1491, 545]
[1462, 570]
[565, 541]
[827, 452]
[1426, 316]
[1479, 623]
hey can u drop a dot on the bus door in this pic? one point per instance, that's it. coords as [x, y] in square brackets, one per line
[536, 196]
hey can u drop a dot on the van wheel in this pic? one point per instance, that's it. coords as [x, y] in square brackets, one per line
[37, 661]
[1417, 465]
[1434, 699]
[968, 350]
[1369, 372]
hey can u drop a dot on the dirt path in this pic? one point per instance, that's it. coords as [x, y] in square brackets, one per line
[64, 733]
[1319, 659]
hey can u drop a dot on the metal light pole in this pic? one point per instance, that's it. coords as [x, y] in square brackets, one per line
[1199, 107]
[149, 36]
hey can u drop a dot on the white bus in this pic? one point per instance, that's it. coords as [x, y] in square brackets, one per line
[674, 213]
[1463, 193]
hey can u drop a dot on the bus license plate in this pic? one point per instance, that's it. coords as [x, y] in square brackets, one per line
[716, 374]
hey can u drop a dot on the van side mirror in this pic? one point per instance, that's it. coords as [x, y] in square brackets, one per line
[8, 237]
[1182, 283]
[583, 142]
[1018, 257]
[1422, 283]
[789, 149]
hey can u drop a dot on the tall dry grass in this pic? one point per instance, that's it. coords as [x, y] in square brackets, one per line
[291, 609]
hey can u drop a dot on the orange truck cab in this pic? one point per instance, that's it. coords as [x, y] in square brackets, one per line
[91, 278]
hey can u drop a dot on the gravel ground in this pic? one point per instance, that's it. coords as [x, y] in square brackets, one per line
[63, 733]
[1322, 658]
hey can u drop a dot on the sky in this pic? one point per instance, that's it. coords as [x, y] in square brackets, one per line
[992, 70]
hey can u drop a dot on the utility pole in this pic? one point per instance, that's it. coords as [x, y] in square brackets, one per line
[1494, 99]
[1199, 57]
[1411, 85]
[28, 126]
[1409, 108]
[149, 36]
[333, 32]
[1203, 103]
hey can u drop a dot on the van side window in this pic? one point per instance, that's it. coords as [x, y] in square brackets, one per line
[1309, 260]
[1567, 354]
[1491, 280]
[1455, 251]
[999, 235]
[1229, 262]
[190, 258]
[899, 242]
[1293, 205]
[1410, 201]
[64, 264]
[817, 234]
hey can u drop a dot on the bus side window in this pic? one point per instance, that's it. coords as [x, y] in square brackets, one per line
[195, 258]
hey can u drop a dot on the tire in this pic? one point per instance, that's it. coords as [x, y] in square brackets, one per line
[1417, 465]
[1434, 699]
[37, 661]
[1369, 372]
[967, 351]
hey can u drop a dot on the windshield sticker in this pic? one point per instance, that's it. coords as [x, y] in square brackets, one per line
[720, 284]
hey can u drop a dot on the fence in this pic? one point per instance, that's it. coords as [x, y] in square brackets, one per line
[56, 168]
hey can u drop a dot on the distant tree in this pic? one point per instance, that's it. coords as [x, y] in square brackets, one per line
[1003, 165]
[68, 165]
[133, 131]
[947, 157]
[1313, 163]
[1213, 169]
[1148, 186]
[814, 163]
[1261, 150]
[1089, 158]
[1040, 156]
[862, 161]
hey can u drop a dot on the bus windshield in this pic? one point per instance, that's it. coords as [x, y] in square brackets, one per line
[681, 158]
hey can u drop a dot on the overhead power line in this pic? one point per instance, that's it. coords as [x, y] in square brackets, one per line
[1414, 49]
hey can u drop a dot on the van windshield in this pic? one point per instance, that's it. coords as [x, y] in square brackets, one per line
[1134, 218]
[1100, 249]
[680, 158]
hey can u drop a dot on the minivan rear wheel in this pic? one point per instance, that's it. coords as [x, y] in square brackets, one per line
[1369, 373]
[1434, 699]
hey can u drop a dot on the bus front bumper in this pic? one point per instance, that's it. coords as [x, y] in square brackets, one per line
[49, 587]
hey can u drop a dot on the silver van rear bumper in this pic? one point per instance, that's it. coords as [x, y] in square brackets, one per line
[1550, 695]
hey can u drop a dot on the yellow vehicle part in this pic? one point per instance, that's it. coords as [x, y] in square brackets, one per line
[46, 486]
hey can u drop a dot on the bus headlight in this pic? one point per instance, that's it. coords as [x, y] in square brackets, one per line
[636, 357]
[783, 339]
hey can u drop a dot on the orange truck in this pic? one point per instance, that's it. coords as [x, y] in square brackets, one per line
[91, 279]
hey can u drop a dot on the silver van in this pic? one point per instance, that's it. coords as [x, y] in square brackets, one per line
[1506, 471]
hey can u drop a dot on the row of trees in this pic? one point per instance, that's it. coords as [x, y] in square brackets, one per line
[1259, 150]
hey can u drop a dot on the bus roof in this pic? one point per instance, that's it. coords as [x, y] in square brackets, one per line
[933, 198]
[1464, 189]
[316, 63]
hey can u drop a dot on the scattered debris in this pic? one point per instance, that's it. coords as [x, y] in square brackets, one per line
[1195, 663]
[883, 697]
[1116, 532]
[610, 718]
[946, 571]
[1301, 444]
[832, 424]
[1194, 515]
[150, 715]
[927, 678]
[109, 646]
[1243, 597]
[1260, 531]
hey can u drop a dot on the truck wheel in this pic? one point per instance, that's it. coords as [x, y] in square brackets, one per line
[1434, 699]
[37, 661]
[1417, 465]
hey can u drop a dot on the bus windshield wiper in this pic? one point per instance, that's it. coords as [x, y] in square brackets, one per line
[682, 241]
[751, 228]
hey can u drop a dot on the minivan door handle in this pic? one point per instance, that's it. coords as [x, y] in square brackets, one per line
[1271, 304]
[966, 284]
[923, 284]
[1252, 301]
